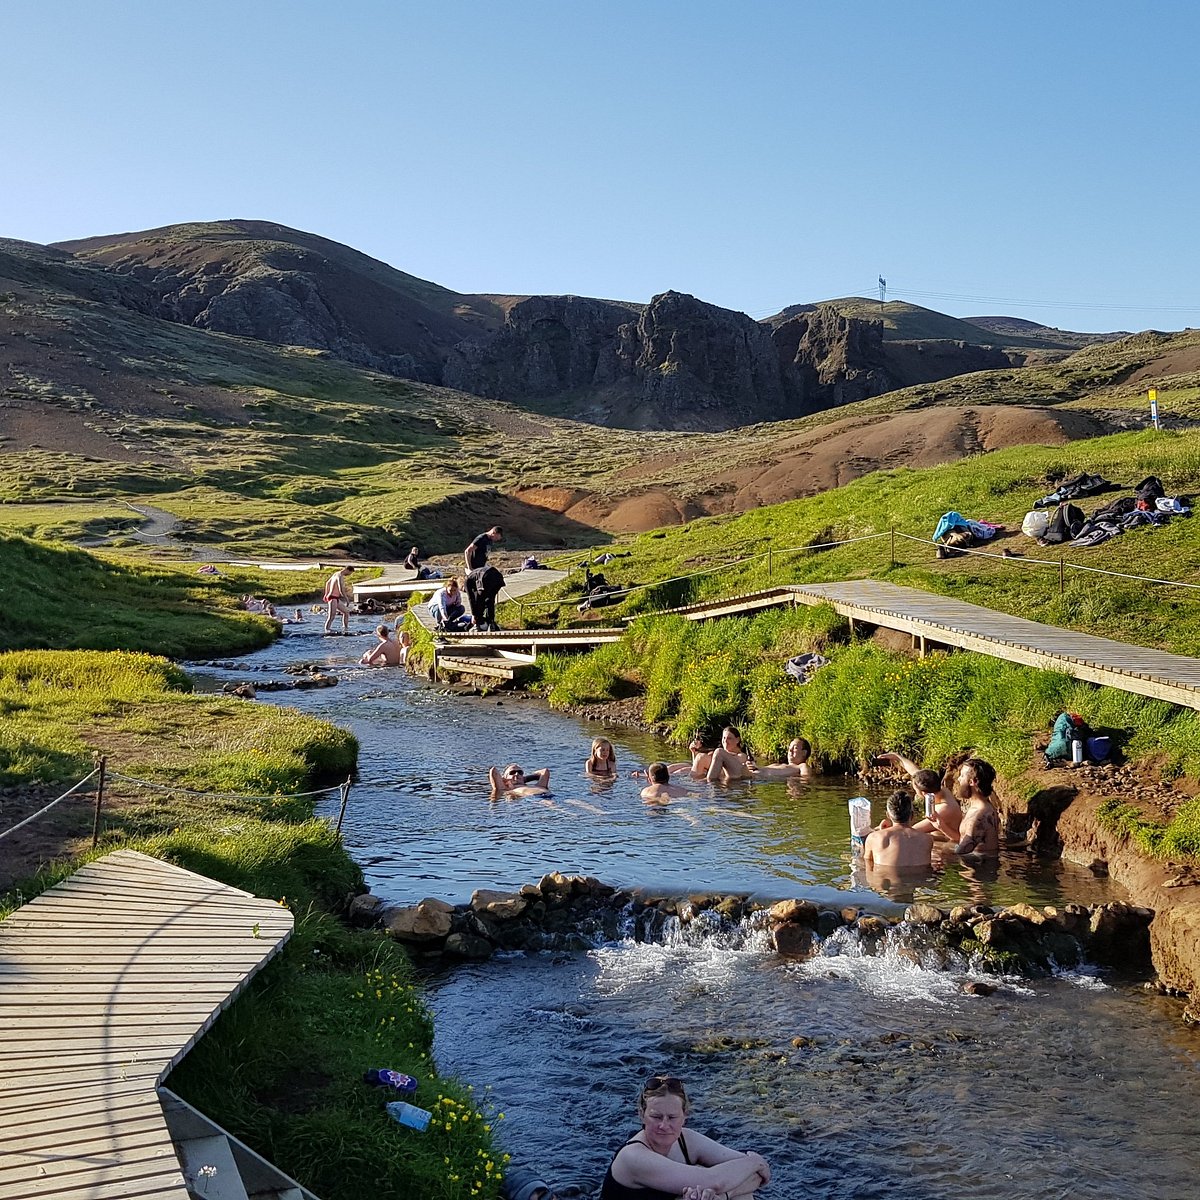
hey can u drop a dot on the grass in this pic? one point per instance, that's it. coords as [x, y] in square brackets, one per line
[282, 1068]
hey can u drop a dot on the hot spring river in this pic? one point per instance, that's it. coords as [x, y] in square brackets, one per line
[901, 1085]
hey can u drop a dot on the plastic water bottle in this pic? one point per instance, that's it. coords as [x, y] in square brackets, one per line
[410, 1115]
[929, 798]
[860, 817]
[391, 1079]
[1077, 753]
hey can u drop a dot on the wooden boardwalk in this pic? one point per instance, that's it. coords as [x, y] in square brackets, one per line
[106, 982]
[731, 606]
[931, 618]
[397, 581]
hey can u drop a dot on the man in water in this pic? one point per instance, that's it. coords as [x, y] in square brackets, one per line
[702, 755]
[933, 792]
[476, 554]
[796, 766]
[660, 789]
[895, 843]
[979, 833]
[513, 782]
[337, 598]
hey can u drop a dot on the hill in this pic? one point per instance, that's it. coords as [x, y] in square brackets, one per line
[1007, 328]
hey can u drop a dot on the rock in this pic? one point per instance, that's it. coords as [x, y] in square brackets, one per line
[500, 906]
[923, 914]
[960, 914]
[973, 987]
[828, 922]
[871, 928]
[468, 946]
[793, 940]
[365, 909]
[849, 914]
[801, 912]
[1026, 912]
[243, 690]
[428, 921]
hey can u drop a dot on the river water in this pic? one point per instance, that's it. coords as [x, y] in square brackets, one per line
[855, 1075]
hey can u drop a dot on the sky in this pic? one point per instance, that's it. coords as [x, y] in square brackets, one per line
[1031, 159]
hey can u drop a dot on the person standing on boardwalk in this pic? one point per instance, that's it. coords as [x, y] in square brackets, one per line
[337, 598]
[476, 553]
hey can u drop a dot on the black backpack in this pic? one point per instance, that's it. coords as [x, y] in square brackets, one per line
[1066, 522]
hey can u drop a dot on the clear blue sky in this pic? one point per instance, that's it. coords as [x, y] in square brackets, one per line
[1032, 158]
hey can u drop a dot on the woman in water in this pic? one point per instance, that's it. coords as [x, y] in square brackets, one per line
[730, 760]
[665, 1161]
[602, 761]
[514, 782]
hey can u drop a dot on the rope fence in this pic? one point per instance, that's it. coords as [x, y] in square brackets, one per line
[46, 808]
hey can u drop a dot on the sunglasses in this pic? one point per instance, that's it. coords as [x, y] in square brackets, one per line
[659, 1082]
[514, 773]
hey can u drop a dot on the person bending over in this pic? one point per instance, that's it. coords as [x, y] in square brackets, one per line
[666, 1161]
[514, 782]
[446, 606]
[483, 586]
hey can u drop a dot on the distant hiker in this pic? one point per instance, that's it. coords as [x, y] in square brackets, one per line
[476, 554]
[796, 766]
[337, 597]
[446, 606]
[895, 843]
[386, 653]
[483, 586]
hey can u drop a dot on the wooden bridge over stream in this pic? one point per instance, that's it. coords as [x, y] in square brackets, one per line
[929, 619]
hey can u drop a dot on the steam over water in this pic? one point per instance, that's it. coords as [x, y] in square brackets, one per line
[900, 1084]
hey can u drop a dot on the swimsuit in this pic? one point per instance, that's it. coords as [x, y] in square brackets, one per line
[612, 1190]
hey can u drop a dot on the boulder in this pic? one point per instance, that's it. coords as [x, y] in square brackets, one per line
[794, 940]
[1119, 936]
[799, 912]
[468, 946]
[428, 921]
[364, 909]
[923, 914]
[1026, 912]
[499, 906]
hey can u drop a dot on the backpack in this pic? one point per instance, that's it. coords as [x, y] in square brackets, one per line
[1068, 727]
[1066, 522]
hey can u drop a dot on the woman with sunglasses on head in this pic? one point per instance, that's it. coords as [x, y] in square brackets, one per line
[514, 782]
[665, 1161]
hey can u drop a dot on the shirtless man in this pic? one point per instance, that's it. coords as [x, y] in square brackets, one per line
[895, 843]
[660, 789]
[385, 653]
[979, 833]
[729, 760]
[947, 813]
[513, 782]
[796, 766]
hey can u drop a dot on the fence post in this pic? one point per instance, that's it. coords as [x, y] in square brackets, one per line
[770, 564]
[99, 802]
[1062, 576]
[345, 790]
[893, 549]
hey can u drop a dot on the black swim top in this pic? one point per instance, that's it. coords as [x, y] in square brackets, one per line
[612, 1190]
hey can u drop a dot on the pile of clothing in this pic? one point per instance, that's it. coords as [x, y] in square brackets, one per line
[955, 532]
[1148, 508]
[1075, 489]
[803, 666]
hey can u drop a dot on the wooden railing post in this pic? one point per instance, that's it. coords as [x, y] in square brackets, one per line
[345, 790]
[99, 801]
[1062, 576]
[770, 564]
[893, 549]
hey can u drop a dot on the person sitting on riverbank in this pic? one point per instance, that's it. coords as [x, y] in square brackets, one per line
[730, 760]
[895, 843]
[979, 832]
[385, 653]
[796, 766]
[447, 607]
[602, 761]
[337, 598]
[660, 789]
[256, 604]
[666, 1161]
[513, 782]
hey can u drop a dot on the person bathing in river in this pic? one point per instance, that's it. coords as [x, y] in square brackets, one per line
[385, 653]
[796, 766]
[944, 821]
[979, 832]
[337, 599]
[602, 761]
[513, 782]
[697, 768]
[660, 789]
[895, 843]
[730, 760]
[666, 1161]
